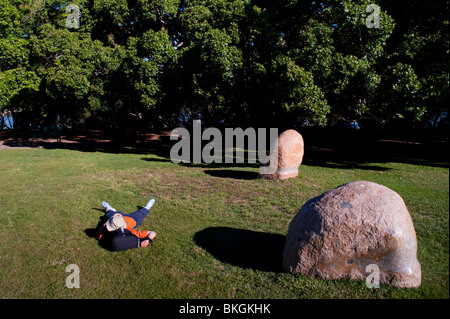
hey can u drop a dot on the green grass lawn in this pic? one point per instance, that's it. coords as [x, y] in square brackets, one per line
[219, 228]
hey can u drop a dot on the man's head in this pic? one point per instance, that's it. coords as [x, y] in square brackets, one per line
[116, 222]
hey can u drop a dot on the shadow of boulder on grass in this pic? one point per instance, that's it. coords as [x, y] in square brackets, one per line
[243, 248]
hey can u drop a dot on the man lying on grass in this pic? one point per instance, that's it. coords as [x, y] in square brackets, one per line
[119, 229]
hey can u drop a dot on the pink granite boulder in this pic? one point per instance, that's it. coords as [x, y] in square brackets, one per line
[341, 232]
[286, 161]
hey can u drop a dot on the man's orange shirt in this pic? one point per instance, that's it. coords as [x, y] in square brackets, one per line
[131, 223]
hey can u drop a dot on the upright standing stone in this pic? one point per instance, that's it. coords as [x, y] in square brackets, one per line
[339, 233]
[287, 160]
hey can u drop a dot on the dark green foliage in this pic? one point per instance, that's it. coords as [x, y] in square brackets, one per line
[143, 63]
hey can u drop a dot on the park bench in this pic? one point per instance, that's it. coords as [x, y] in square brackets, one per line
[45, 132]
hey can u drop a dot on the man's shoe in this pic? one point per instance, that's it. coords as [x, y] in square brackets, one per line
[150, 204]
[108, 207]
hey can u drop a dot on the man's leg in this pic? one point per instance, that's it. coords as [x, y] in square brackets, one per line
[140, 214]
[110, 214]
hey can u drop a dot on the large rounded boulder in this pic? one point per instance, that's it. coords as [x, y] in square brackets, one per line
[341, 232]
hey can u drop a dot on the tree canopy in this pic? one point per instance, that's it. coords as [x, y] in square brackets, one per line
[141, 63]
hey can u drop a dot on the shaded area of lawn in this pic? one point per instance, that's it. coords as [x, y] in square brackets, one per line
[243, 248]
[325, 147]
